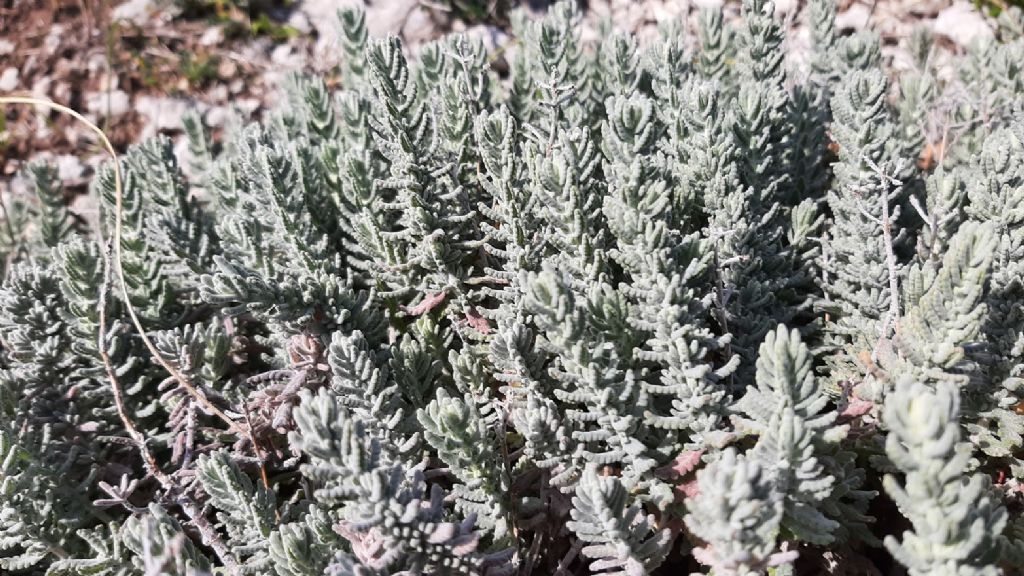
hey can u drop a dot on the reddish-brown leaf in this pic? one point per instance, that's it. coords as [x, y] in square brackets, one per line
[427, 304]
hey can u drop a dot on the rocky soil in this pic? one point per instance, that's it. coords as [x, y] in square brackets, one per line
[134, 67]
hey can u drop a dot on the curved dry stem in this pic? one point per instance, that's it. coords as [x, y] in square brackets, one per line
[116, 260]
[112, 262]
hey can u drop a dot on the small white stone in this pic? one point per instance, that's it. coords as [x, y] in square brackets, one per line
[854, 18]
[69, 167]
[419, 27]
[97, 64]
[216, 116]
[327, 54]
[116, 103]
[383, 18]
[783, 7]
[9, 80]
[19, 186]
[212, 36]
[281, 54]
[41, 87]
[53, 38]
[667, 11]
[962, 23]
[31, 65]
[248, 105]
[300, 22]
[137, 11]
[284, 57]
[323, 14]
[219, 93]
[6, 47]
[492, 36]
[161, 113]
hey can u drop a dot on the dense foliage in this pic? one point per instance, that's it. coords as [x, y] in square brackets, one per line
[687, 306]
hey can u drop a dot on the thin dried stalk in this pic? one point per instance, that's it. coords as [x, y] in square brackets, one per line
[112, 261]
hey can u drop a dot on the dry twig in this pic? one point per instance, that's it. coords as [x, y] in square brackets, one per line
[112, 262]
